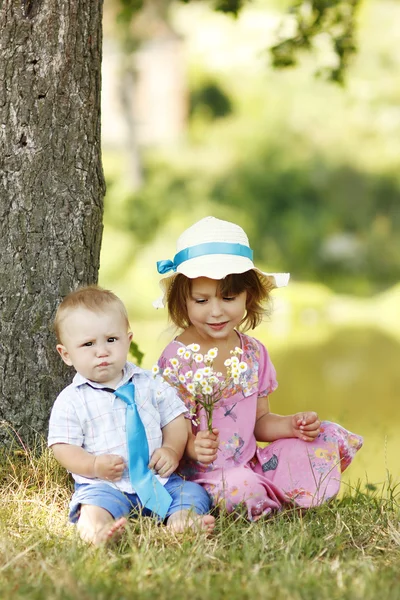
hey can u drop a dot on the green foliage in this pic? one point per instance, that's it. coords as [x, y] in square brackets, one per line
[143, 212]
[128, 9]
[334, 18]
[136, 353]
[341, 217]
[231, 7]
[210, 100]
[309, 169]
[333, 224]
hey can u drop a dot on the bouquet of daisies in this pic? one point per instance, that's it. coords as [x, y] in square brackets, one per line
[200, 385]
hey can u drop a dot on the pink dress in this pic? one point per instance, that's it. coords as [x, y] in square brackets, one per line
[288, 471]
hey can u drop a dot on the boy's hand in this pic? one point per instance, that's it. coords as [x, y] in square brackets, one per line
[206, 446]
[306, 425]
[109, 467]
[164, 461]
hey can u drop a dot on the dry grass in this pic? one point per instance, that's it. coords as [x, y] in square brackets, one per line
[348, 549]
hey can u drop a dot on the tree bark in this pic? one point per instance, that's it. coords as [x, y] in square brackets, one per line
[51, 192]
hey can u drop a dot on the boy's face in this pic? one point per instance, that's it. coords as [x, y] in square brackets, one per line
[95, 344]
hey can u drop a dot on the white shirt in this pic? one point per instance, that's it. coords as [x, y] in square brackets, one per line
[95, 419]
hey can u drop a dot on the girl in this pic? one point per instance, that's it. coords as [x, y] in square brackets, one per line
[214, 294]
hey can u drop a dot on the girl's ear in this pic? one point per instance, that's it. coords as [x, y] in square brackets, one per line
[62, 351]
[249, 299]
[130, 336]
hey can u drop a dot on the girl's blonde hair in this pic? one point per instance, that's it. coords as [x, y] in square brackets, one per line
[91, 297]
[258, 290]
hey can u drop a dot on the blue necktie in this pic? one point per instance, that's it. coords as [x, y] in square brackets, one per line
[151, 492]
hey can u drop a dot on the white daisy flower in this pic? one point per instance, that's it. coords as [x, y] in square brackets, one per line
[174, 362]
[198, 376]
[181, 351]
[182, 378]
[198, 358]
[191, 388]
[188, 374]
[228, 362]
[242, 367]
[187, 354]
[155, 370]
[236, 380]
[237, 351]
[213, 352]
[234, 360]
[207, 389]
[194, 347]
[207, 371]
[167, 371]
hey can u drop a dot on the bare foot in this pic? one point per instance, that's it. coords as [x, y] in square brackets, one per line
[116, 530]
[186, 519]
[98, 536]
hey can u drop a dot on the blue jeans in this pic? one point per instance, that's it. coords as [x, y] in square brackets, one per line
[186, 495]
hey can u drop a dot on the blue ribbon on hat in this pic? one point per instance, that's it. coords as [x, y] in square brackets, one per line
[164, 266]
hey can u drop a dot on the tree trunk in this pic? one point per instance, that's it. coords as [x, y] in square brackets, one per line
[51, 192]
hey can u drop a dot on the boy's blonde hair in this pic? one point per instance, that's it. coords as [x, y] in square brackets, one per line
[256, 286]
[91, 297]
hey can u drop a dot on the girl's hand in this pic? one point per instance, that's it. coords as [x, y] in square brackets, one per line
[206, 446]
[306, 426]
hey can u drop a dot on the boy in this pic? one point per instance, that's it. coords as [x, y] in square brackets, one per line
[91, 417]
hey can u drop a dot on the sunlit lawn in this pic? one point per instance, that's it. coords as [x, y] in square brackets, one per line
[348, 549]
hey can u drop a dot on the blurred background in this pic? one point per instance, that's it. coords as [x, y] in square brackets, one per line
[196, 121]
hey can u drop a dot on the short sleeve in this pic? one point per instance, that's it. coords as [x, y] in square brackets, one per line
[267, 382]
[169, 404]
[65, 426]
[168, 352]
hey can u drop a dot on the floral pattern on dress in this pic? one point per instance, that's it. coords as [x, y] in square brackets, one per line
[286, 472]
[232, 448]
[348, 443]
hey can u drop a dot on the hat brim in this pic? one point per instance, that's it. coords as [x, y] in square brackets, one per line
[218, 266]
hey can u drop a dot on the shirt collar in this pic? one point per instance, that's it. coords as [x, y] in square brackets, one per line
[128, 372]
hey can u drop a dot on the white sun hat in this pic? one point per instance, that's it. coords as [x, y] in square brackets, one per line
[212, 248]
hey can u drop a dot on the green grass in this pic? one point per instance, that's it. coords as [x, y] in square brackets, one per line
[348, 549]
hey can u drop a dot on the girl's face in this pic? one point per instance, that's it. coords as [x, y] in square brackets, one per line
[214, 317]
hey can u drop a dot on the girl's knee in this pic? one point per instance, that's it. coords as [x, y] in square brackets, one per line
[237, 486]
[240, 477]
